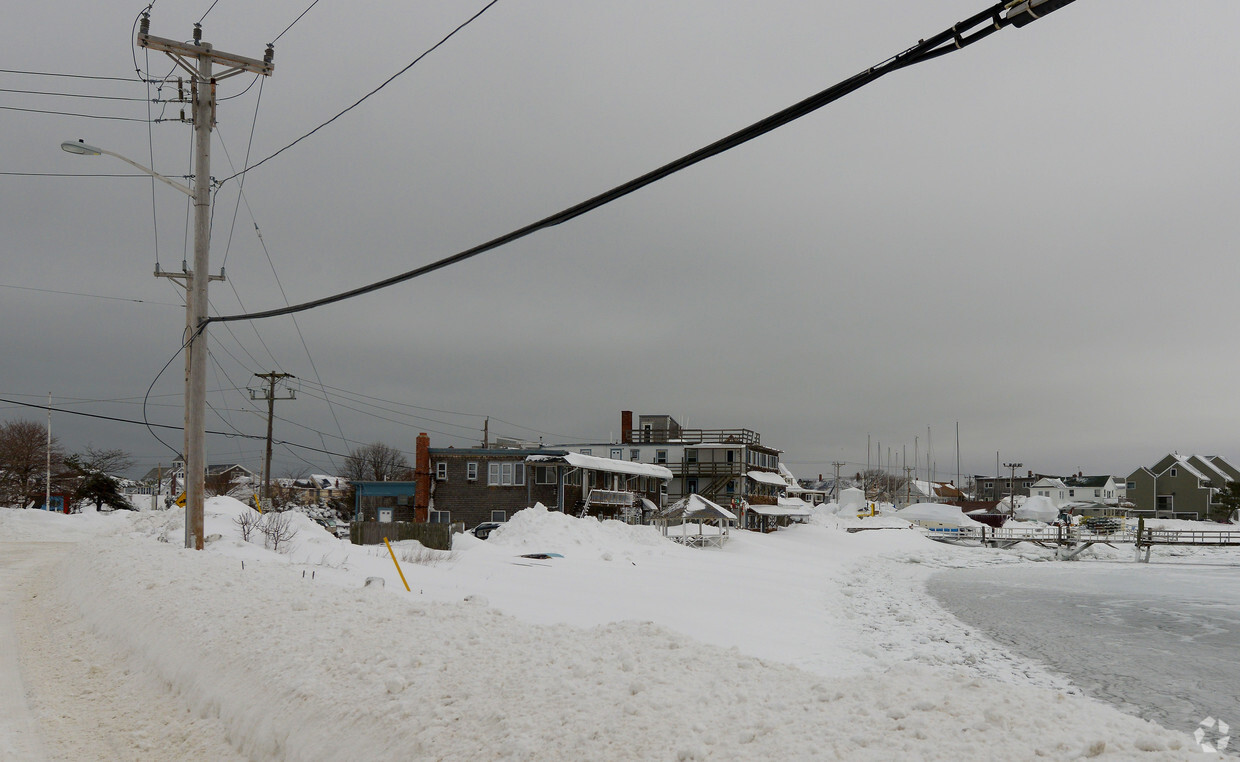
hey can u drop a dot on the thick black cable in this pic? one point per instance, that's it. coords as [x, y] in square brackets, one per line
[923, 50]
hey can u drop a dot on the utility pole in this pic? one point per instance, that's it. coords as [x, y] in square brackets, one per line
[47, 497]
[908, 484]
[269, 394]
[486, 433]
[197, 58]
[838, 466]
[1012, 485]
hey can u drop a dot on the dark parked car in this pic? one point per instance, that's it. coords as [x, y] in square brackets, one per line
[483, 530]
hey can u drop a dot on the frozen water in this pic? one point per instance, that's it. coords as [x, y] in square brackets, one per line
[1156, 640]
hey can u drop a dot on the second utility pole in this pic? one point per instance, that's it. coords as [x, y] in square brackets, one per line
[203, 82]
[269, 394]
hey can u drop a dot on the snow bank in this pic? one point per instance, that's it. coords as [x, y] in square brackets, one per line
[301, 670]
[540, 530]
[1037, 508]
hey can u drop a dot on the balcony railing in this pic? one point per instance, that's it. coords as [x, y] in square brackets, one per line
[696, 436]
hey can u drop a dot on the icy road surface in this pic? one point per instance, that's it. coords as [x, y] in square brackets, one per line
[1157, 640]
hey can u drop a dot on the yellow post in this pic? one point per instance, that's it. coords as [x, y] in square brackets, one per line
[398, 571]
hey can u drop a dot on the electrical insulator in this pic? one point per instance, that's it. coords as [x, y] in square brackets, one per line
[146, 24]
[197, 34]
[270, 55]
[180, 89]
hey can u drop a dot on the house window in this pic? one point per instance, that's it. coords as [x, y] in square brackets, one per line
[617, 453]
[731, 456]
[1132, 485]
[500, 516]
[591, 480]
[441, 471]
[507, 474]
[731, 484]
[471, 471]
[635, 454]
[1097, 493]
[1173, 472]
[544, 475]
[691, 486]
[441, 517]
[1071, 493]
[660, 456]
[691, 456]
[585, 451]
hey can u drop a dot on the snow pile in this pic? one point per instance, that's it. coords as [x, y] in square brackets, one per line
[295, 669]
[540, 530]
[1037, 508]
[852, 499]
[937, 514]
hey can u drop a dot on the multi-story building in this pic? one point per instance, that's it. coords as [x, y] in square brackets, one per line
[995, 488]
[474, 485]
[1180, 486]
[718, 464]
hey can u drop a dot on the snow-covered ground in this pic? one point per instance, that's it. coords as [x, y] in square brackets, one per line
[809, 643]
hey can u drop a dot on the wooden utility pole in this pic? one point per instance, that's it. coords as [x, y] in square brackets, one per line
[198, 58]
[1012, 486]
[269, 394]
[838, 466]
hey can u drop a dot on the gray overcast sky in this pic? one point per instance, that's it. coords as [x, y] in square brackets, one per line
[1033, 237]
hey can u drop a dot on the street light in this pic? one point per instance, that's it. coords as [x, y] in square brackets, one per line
[195, 337]
[82, 148]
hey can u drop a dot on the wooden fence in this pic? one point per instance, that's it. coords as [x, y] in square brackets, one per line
[437, 536]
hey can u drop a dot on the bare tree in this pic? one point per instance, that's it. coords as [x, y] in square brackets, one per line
[222, 483]
[881, 485]
[247, 522]
[377, 462]
[278, 529]
[23, 463]
[104, 460]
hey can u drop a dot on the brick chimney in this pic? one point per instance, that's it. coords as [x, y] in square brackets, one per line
[422, 478]
[626, 426]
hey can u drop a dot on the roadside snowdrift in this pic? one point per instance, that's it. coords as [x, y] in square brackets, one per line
[298, 670]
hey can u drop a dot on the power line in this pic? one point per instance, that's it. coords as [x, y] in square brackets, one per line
[92, 296]
[115, 419]
[290, 26]
[72, 95]
[69, 76]
[940, 44]
[72, 174]
[70, 113]
[386, 82]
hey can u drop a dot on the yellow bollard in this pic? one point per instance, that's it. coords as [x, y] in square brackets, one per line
[398, 571]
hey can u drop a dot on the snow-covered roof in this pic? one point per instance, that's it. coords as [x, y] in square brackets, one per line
[766, 477]
[936, 512]
[1049, 481]
[612, 466]
[1187, 467]
[695, 507]
[778, 510]
[1213, 472]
